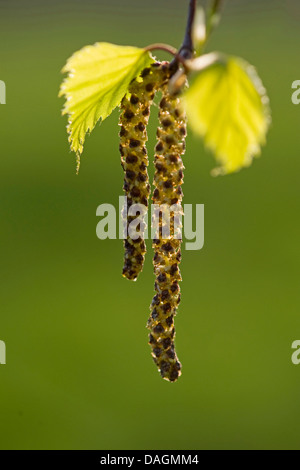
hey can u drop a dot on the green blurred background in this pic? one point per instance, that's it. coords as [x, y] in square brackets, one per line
[79, 374]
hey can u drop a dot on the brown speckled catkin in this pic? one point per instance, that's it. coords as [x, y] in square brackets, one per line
[167, 255]
[134, 117]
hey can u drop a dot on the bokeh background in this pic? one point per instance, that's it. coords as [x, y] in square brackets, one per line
[79, 374]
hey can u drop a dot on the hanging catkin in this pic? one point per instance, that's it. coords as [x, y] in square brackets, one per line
[167, 182]
[134, 118]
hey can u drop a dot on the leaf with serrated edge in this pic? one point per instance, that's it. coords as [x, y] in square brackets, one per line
[98, 78]
[228, 106]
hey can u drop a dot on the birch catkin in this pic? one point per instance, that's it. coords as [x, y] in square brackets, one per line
[167, 182]
[134, 118]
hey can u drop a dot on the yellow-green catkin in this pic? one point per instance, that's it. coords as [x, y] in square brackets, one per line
[167, 183]
[134, 118]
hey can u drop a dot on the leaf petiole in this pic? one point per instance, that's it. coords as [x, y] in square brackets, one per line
[162, 47]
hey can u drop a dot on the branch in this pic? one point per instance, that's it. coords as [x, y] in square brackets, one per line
[187, 49]
[216, 6]
[213, 16]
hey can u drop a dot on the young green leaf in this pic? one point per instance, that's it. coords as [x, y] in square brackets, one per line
[98, 78]
[228, 106]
